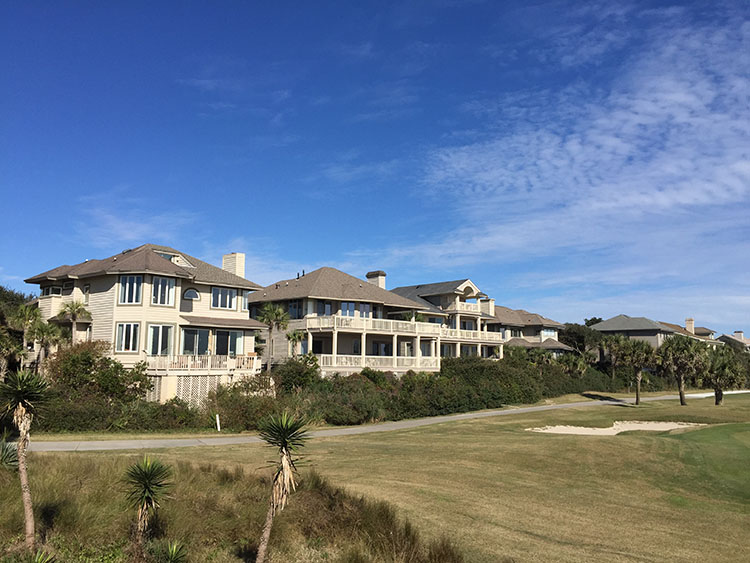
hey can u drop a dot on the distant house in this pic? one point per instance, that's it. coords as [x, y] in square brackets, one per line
[736, 340]
[654, 332]
[528, 330]
[186, 318]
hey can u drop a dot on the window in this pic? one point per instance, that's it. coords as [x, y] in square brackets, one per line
[86, 293]
[347, 309]
[163, 291]
[52, 290]
[68, 285]
[324, 308]
[467, 325]
[160, 340]
[548, 333]
[229, 342]
[130, 289]
[127, 337]
[364, 310]
[245, 296]
[223, 298]
[195, 341]
[516, 333]
[295, 309]
[191, 294]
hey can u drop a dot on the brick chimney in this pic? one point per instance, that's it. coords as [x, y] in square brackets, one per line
[690, 325]
[376, 277]
[739, 334]
[234, 263]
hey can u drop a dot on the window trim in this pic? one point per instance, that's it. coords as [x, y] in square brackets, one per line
[189, 289]
[172, 290]
[234, 298]
[121, 287]
[86, 291]
[138, 338]
[147, 346]
[245, 296]
[197, 330]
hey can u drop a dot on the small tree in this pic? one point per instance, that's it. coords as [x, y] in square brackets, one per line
[724, 371]
[20, 397]
[75, 310]
[47, 335]
[148, 482]
[274, 317]
[615, 345]
[683, 359]
[23, 320]
[295, 337]
[639, 355]
[288, 434]
[10, 351]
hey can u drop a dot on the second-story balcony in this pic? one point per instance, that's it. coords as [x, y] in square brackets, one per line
[469, 307]
[187, 364]
[387, 326]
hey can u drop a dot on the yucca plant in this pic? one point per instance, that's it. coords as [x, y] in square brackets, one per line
[21, 394]
[176, 553]
[8, 455]
[42, 557]
[288, 434]
[148, 483]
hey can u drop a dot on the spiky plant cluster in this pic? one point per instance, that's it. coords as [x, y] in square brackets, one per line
[8, 456]
[148, 483]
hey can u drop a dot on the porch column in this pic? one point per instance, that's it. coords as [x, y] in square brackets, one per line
[309, 342]
[458, 349]
[395, 349]
[418, 351]
[334, 347]
[458, 321]
[362, 347]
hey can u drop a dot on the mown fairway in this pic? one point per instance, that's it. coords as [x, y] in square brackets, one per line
[501, 491]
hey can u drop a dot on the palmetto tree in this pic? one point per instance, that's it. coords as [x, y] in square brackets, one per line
[615, 345]
[639, 355]
[47, 335]
[76, 310]
[21, 394]
[9, 350]
[148, 483]
[274, 317]
[295, 337]
[683, 359]
[288, 434]
[23, 319]
[724, 371]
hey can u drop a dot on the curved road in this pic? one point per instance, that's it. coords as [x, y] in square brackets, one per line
[153, 443]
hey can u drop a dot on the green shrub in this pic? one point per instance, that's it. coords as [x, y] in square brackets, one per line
[296, 374]
[348, 400]
[240, 406]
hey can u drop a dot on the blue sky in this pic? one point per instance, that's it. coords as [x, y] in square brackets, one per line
[574, 159]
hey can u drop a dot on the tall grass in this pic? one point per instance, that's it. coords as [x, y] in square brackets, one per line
[216, 512]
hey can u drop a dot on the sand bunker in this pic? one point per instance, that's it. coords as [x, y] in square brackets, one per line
[616, 428]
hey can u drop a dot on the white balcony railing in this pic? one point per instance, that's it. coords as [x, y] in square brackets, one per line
[345, 361]
[387, 326]
[470, 307]
[207, 364]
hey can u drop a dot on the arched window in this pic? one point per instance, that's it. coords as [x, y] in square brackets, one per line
[191, 294]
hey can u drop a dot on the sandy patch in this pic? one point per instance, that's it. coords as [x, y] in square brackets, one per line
[616, 428]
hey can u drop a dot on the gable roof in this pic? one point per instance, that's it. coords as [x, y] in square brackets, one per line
[521, 318]
[548, 344]
[684, 332]
[145, 259]
[412, 292]
[703, 331]
[438, 288]
[622, 323]
[330, 283]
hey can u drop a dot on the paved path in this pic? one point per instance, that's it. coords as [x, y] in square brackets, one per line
[152, 443]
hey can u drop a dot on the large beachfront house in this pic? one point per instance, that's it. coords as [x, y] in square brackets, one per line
[186, 318]
[654, 332]
[351, 323]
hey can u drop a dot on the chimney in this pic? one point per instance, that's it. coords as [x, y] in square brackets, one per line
[739, 334]
[690, 325]
[487, 306]
[234, 263]
[376, 277]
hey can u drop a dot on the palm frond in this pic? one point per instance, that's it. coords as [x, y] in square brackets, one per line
[23, 389]
[286, 431]
[148, 482]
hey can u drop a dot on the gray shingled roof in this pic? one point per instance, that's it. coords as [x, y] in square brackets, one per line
[330, 283]
[684, 332]
[427, 289]
[412, 292]
[144, 259]
[221, 322]
[622, 323]
[521, 318]
[548, 344]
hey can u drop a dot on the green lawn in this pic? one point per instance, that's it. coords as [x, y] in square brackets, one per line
[503, 492]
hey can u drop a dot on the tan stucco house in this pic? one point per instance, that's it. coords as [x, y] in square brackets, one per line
[186, 318]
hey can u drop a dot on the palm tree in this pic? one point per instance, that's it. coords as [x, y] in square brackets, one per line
[288, 434]
[23, 319]
[20, 396]
[639, 355]
[724, 371]
[295, 337]
[615, 345]
[9, 350]
[274, 317]
[76, 310]
[148, 483]
[683, 359]
[47, 335]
